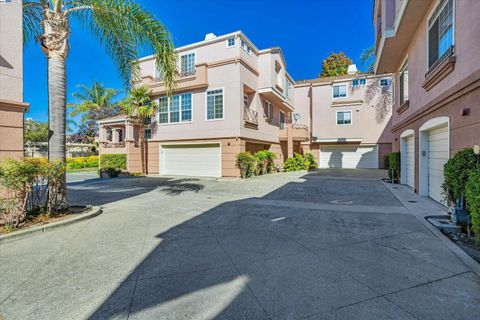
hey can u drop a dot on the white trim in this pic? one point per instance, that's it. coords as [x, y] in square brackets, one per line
[223, 104]
[339, 140]
[232, 46]
[194, 52]
[409, 133]
[427, 33]
[179, 110]
[341, 84]
[431, 124]
[344, 124]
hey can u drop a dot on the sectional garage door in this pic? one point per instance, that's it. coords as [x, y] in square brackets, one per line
[410, 161]
[348, 157]
[438, 154]
[202, 160]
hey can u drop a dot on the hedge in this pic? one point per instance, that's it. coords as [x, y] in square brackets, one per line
[456, 173]
[113, 161]
[299, 162]
[472, 195]
[82, 162]
[394, 164]
[246, 164]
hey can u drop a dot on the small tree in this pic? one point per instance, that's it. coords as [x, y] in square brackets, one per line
[335, 65]
[138, 107]
[367, 59]
[36, 131]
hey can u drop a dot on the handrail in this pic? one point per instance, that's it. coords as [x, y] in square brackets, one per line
[250, 115]
[179, 75]
[450, 51]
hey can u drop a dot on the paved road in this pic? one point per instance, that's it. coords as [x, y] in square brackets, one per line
[328, 245]
[81, 176]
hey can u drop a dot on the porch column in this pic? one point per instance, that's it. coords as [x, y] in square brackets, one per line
[115, 136]
[289, 141]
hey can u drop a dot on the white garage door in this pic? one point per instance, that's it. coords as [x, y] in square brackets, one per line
[410, 161]
[438, 154]
[349, 157]
[202, 160]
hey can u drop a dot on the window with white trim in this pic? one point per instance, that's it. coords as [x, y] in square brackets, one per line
[187, 64]
[288, 87]
[268, 110]
[440, 31]
[245, 46]
[231, 42]
[404, 83]
[283, 120]
[215, 104]
[175, 109]
[339, 90]
[148, 133]
[359, 82]
[344, 117]
[384, 82]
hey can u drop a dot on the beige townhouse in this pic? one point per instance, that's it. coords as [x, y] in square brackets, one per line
[349, 117]
[12, 107]
[231, 97]
[433, 49]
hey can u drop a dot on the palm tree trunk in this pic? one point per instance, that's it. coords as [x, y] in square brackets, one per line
[142, 145]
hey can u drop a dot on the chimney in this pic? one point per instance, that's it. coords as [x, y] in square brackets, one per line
[352, 69]
[210, 36]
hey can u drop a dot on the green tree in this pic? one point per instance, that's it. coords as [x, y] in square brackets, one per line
[94, 103]
[138, 106]
[36, 131]
[335, 64]
[122, 27]
[367, 59]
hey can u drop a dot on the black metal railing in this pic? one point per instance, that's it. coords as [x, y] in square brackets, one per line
[450, 52]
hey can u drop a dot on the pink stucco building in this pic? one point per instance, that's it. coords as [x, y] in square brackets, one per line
[12, 106]
[433, 49]
[232, 97]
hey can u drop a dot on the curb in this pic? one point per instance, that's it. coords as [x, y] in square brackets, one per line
[462, 255]
[94, 211]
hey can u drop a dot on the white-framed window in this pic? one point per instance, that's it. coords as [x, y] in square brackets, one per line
[359, 82]
[440, 31]
[283, 120]
[147, 120]
[245, 46]
[339, 90]
[403, 83]
[187, 64]
[231, 42]
[175, 109]
[288, 87]
[384, 82]
[344, 117]
[215, 104]
[268, 110]
[158, 72]
[148, 133]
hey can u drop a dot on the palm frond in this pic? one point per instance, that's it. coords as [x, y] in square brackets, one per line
[32, 20]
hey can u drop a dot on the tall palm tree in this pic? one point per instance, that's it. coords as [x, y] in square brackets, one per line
[138, 107]
[122, 27]
[94, 103]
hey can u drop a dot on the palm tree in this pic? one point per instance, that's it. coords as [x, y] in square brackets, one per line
[95, 102]
[138, 107]
[122, 27]
[367, 58]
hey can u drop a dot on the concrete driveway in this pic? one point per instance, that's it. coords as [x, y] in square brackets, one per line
[329, 245]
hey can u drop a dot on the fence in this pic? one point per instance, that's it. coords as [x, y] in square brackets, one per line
[40, 150]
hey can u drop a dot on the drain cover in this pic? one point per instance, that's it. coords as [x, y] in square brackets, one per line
[341, 202]
[412, 201]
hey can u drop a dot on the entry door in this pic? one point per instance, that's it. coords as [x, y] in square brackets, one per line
[410, 161]
[438, 154]
[202, 160]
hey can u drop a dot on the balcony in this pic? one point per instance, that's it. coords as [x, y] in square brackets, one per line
[276, 96]
[184, 81]
[250, 117]
[298, 132]
[393, 39]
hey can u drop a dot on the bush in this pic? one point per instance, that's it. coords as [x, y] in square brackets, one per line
[456, 173]
[246, 163]
[472, 195]
[261, 162]
[271, 156]
[117, 162]
[82, 162]
[23, 189]
[394, 164]
[312, 163]
[296, 163]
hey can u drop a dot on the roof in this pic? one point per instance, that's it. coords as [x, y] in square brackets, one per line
[113, 118]
[342, 77]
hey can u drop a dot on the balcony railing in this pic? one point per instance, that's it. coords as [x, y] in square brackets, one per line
[180, 75]
[113, 145]
[450, 52]
[250, 116]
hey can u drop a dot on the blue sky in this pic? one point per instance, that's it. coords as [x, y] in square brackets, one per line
[306, 30]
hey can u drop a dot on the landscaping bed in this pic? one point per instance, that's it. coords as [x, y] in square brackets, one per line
[35, 219]
[467, 244]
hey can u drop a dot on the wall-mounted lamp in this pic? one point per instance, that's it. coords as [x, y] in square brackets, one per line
[465, 112]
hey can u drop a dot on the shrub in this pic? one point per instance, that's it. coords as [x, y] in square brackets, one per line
[394, 164]
[82, 162]
[472, 195]
[113, 161]
[23, 188]
[246, 163]
[456, 173]
[261, 162]
[271, 156]
[312, 163]
[296, 163]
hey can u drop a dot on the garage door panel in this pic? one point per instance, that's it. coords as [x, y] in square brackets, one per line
[191, 160]
[348, 157]
[438, 154]
[410, 159]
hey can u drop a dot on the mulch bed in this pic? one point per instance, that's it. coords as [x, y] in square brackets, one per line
[38, 219]
[467, 244]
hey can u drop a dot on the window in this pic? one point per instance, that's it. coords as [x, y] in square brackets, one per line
[288, 87]
[231, 42]
[215, 104]
[245, 46]
[245, 101]
[176, 109]
[148, 134]
[120, 135]
[404, 84]
[109, 134]
[187, 64]
[440, 31]
[283, 120]
[339, 90]
[147, 120]
[268, 111]
[359, 82]
[384, 82]
[158, 73]
[344, 117]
